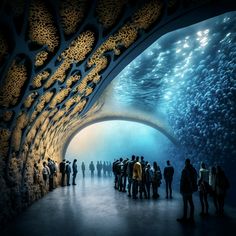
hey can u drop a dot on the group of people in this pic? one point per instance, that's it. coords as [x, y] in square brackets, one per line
[213, 183]
[66, 170]
[141, 177]
[104, 167]
[138, 176]
[49, 172]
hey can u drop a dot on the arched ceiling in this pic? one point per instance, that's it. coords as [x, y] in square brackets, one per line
[56, 58]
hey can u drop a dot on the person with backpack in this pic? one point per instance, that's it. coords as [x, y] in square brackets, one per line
[188, 185]
[168, 176]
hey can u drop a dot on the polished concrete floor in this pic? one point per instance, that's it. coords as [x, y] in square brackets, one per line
[93, 207]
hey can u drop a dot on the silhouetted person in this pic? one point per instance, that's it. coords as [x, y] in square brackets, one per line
[222, 184]
[99, 168]
[203, 184]
[75, 171]
[83, 169]
[120, 167]
[109, 169]
[130, 174]
[115, 172]
[62, 168]
[137, 177]
[68, 172]
[188, 185]
[104, 167]
[168, 176]
[156, 180]
[91, 168]
[212, 183]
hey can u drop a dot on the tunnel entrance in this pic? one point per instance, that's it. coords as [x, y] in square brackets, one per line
[109, 140]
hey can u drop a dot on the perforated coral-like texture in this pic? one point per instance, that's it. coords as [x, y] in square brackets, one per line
[53, 69]
[42, 29]
[40, 58]
[108, 11]
[13, 83]
[72, 12]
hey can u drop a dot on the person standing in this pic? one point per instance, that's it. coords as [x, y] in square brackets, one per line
[75, 171]
[148, 179]
[156, 180]
[62, 168]
[83, 169]
[137, 177]
[203, 185]
[130, 174]
[92, 168]
[68, 171]
[168, 176]
[46, 173]
[212, 183]
[188, 185]
[222, 184]
[52, 168]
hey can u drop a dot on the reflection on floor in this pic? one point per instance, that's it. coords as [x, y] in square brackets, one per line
[93, 207]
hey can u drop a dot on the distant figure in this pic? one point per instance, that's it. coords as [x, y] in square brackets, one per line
[68, 171]
[109, 169]
[62, 168]
[130, 168]
[99, 169]
[203, 186]
[83, 169]
[75, 171]
[221, 184]
[137, 177]
[46, 173]
[104, 167]
[188, 185]
[156, 180]
[92, 168]
[168, 176]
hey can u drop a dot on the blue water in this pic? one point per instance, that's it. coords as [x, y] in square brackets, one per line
[188, 78]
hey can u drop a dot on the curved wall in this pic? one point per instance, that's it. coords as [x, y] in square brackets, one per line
[56, 57]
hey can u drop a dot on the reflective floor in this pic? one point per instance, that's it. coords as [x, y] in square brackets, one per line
[93, 207]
